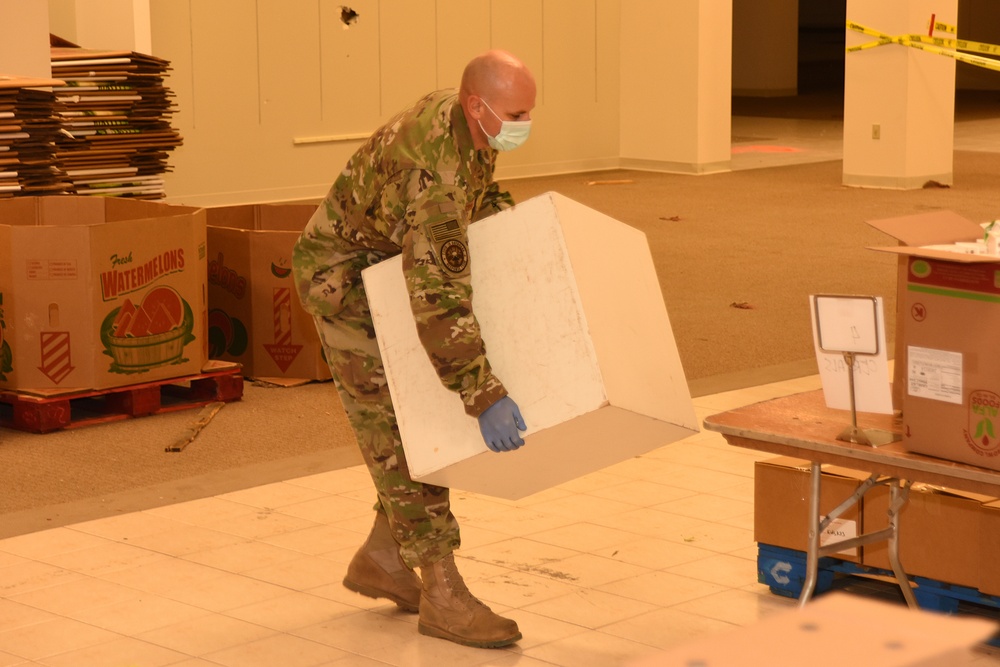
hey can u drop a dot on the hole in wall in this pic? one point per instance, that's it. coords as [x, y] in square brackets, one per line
[348, 15]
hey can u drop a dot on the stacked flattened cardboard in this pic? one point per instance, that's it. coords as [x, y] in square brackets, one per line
[28, 130]
[116, 120]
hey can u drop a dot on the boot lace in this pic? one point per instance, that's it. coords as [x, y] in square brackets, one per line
[455, 582]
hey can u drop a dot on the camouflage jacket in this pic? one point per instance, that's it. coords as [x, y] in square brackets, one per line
[411, 189]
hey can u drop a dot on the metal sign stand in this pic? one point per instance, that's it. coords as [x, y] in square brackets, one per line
[851, 325]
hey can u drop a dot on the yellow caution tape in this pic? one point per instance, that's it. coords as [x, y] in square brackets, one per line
[978, 61]
[943, 46]
[938, 26]
[957, 44]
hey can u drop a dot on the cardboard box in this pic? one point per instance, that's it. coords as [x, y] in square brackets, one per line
[949, 310]
[100, 292]
[254, 316]
[939, 532]
[782, 487]
[922, 229]
[575, 326]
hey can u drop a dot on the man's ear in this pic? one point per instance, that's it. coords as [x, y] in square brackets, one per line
[476, 106]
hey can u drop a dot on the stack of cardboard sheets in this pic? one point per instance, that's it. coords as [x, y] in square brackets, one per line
[28, 130]
[116, 121]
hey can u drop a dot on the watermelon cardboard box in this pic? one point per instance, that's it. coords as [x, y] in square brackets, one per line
[254, 315]
[100, 292]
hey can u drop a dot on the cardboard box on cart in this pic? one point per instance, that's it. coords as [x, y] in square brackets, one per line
[781, 504]
[989, 547]
[255, 317]
[950, 312]
[939, 533]
[575, 326]
[99, 292]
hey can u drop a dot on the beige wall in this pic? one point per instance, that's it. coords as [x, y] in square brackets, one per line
[24, 43]
[273, 95]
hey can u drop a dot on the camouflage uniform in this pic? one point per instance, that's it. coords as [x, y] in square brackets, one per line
[411, 190]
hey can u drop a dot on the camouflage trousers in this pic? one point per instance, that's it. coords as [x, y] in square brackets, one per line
[419, 514]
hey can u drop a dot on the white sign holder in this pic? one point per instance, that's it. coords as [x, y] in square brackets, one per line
[849, 325]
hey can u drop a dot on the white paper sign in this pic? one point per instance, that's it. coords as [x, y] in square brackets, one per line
[847, 323]
[871, 372]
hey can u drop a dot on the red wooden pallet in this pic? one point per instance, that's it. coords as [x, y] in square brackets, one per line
[52, 412]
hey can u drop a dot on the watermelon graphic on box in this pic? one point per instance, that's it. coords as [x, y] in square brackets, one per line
[150, 333]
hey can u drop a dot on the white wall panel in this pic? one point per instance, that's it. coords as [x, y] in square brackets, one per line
[24, 45]
[351, 68]
[577, 109]
[289, 61]
[408, 52]
[570, 54]
[463, 29]
[172, 40]
[225, 65]
[272, 95]
[516, 26]
[62, 19]
[112, 24]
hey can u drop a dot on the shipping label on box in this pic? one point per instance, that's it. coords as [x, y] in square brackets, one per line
[586, 352]
[255, 317]
[100, 292]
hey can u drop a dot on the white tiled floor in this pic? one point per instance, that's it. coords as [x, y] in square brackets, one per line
[614, 566]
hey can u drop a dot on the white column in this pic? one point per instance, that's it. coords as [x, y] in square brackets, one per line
[765, 48]
[676, 85]
[24, 41]
[899, 102]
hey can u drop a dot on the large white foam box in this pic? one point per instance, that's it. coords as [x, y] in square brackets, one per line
[575, 326]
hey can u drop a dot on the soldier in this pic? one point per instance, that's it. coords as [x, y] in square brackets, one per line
[412, 189]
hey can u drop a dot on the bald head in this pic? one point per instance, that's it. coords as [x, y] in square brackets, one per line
[506, 86]
[494, 73]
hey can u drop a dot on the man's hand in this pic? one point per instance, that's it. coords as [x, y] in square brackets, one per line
[499, 425]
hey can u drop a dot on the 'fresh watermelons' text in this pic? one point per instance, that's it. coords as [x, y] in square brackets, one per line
[124, 280]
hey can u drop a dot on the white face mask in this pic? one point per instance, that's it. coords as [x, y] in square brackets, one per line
[512, 133]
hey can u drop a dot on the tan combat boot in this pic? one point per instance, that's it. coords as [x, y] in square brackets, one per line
[449, 611]
[377, 570]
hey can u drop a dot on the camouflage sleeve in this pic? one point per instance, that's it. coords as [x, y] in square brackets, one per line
[436, 267]
[494, 201]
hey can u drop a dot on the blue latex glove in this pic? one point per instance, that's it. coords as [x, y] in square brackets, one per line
[499, 425]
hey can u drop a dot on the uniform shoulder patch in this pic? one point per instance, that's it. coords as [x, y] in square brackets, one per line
[444, 230]
[454, 255]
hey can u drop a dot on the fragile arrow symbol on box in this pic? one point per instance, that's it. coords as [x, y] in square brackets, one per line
[55, 353]
[282, 351]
